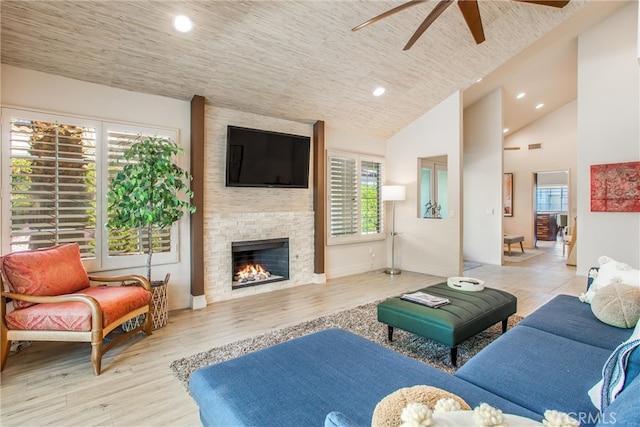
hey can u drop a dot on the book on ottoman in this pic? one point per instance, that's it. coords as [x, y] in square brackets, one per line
[426, 299]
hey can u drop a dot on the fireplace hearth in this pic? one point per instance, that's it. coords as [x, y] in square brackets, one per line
[258, 262]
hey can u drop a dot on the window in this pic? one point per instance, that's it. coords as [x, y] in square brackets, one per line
[370, 203]
[552, 199]
[57, 170]
[52, 184]
[129, 242]
[355, 208]
[434, 200]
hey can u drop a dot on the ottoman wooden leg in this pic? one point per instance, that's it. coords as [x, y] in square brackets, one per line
[504, 325]
[390, 333]
[454, 356]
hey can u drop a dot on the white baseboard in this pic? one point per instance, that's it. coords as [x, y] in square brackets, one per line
[354, 269]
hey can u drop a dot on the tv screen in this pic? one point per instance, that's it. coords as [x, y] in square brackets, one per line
[258, 158]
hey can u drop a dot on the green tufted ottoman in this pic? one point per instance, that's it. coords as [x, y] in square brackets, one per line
[468, 314]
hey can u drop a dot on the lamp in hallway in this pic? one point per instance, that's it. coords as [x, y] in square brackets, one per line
[393, 194]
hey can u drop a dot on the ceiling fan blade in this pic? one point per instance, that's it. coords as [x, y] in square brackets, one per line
[552, 3]
[471, 13]
[388, 13]
[440, 7]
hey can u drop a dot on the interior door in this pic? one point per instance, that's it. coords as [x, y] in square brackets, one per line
[535, 210]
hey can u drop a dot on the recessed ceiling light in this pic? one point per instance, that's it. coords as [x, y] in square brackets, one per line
[539, 106]
[379, 91]
[479, 80]
[505, 130]
[182, 23]
[521, 95]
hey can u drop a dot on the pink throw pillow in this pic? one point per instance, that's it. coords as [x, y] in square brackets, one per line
[45, 272]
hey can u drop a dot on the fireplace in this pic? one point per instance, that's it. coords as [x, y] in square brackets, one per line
[258, 262]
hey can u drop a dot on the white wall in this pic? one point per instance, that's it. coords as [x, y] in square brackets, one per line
[608, 132]
[482, 180]
[432, 246]
[347, 259]
[557, 132]
[49, 93]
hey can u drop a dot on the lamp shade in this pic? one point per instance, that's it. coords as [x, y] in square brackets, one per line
[393, 192]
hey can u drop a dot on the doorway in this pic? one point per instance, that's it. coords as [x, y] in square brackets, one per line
[551, 206]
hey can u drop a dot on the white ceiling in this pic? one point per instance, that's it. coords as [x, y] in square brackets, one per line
[299, 60]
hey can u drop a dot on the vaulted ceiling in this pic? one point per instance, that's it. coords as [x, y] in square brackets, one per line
[297, 60]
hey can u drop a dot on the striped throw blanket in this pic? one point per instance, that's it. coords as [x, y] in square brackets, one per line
[613, 373]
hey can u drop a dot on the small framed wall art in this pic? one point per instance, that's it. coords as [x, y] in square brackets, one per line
[615, 187]
[507, 194]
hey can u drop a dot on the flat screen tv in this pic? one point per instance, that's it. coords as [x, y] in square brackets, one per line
[258, 158]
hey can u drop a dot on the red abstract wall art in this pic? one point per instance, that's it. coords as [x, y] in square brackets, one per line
[615, 187]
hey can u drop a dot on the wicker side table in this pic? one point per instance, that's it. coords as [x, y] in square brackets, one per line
[159, 304]
[159, 307]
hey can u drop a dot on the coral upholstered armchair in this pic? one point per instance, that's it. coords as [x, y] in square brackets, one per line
[55, 300]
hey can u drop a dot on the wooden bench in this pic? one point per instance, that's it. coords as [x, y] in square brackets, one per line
[512, 238]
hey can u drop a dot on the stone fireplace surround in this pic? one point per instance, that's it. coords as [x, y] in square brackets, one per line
[224, 228]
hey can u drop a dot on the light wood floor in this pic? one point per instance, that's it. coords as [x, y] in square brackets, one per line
[53, 383]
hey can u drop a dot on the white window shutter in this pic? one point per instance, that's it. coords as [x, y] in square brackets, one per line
[343, 196]
[130, 242]
[53, 185]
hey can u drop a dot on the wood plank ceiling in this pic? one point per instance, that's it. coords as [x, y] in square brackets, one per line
[290, 59]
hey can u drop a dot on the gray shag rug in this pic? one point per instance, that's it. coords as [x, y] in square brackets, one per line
[361, 321]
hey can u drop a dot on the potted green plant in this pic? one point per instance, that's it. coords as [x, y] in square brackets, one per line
[150, 191]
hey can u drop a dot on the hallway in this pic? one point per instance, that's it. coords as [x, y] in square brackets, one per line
[536, 280]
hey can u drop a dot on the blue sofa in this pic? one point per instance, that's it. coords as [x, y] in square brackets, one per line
[548, 361]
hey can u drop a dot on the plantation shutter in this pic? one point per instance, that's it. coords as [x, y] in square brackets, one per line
[130, 242]
[370, 204]
[343, 196]
[53, 185]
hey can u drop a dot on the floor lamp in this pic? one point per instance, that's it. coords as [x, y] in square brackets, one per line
[393, 193]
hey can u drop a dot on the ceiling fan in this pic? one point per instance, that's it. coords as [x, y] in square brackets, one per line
[469, 9]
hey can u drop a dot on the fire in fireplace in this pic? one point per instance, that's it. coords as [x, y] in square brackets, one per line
[250, 273]
[258, 262]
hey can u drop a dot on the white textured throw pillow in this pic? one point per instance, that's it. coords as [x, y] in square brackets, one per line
[611, 271]
[617, 305]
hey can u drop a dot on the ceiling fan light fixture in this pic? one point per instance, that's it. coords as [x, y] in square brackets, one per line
[379, 91]
[182, 23]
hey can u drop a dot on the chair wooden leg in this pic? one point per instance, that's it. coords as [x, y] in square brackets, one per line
[96, 351]
[147, 327]
[6, 346]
